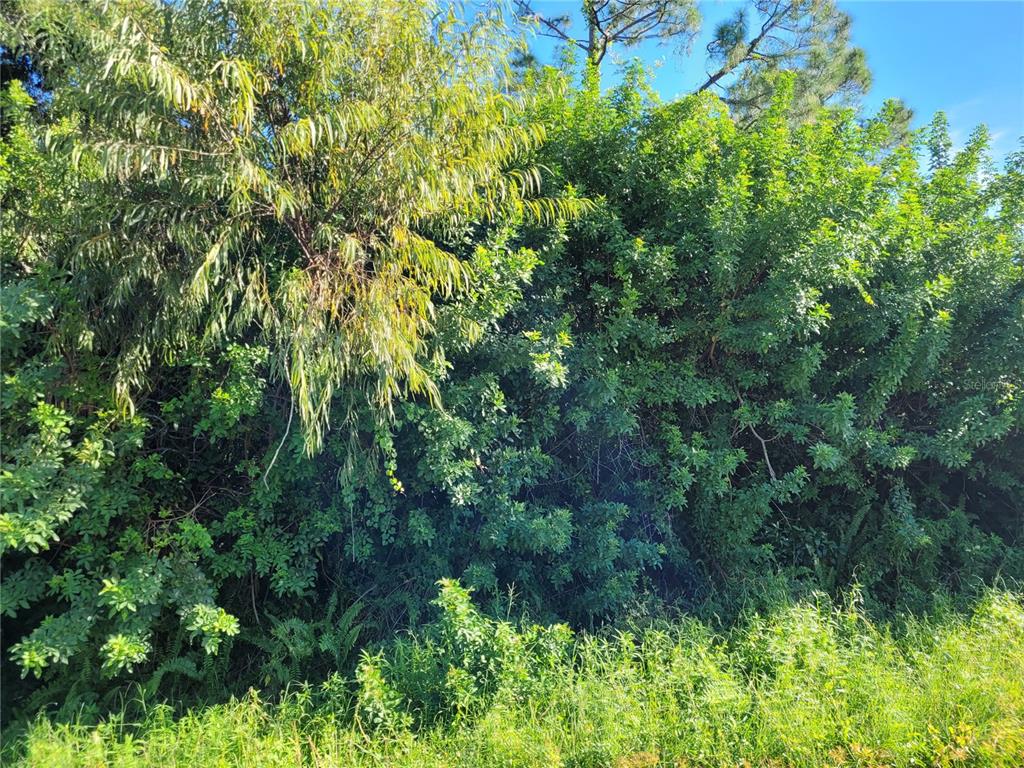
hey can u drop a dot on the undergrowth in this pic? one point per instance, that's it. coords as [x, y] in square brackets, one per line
[812, 684]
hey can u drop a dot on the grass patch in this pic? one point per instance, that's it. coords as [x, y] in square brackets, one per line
[810, 685]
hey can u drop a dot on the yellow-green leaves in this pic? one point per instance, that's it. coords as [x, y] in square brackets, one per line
[299, 170]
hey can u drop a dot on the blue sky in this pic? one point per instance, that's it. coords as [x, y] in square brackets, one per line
[965, 57]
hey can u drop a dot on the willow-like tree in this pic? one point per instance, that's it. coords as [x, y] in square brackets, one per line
[291, 171]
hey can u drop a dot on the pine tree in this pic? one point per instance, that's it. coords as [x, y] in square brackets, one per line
[624, 23]
[764, 38]
[808, 37]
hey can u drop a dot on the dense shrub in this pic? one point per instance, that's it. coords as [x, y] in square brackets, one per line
[755, 367]
[757, 361]
[793, 350]
[220, 219]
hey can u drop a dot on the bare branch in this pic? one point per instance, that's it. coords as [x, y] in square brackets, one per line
[525, 9]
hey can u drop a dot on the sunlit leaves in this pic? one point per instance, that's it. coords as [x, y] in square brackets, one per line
[298, 170]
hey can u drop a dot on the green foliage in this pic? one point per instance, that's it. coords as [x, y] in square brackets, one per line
[293, 172]
[775, 359]
[807, 686]
[754, 363]
[697, 364]
[92, 558]
[459, 666]
[222, 216]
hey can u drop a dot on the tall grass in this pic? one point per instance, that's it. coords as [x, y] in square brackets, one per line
[811, 685]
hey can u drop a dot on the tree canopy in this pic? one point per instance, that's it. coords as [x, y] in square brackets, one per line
[293, 172]
[624, 23]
